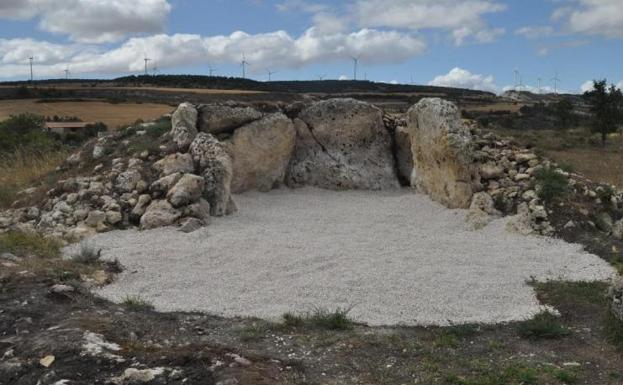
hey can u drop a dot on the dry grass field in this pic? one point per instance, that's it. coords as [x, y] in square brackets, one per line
[113, 115]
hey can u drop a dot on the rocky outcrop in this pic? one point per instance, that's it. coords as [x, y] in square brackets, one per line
[342, 144]
[184, 125]
[186, 191]
[217, 119]
[615, 297]
[261, 153]
[404, 154]
[481, 211]
[214, 164]
[442, 153]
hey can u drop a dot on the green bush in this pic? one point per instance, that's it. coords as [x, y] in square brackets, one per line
[550, 185]
[25, 131]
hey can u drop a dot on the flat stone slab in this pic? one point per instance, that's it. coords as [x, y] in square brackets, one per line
[394, 257]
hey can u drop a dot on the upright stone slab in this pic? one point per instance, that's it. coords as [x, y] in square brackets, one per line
[342, 144]
[442, 152]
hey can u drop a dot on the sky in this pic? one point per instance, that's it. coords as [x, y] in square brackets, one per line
[491, 45]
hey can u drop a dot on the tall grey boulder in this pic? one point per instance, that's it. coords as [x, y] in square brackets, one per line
[215, 166]
[442, 152]
[342, 144]
[184, 125]
[261, 152]
[217, 119]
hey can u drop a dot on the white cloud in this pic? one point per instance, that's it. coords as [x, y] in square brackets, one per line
[460, 78]
[535, 32]
[587, 86]
[592, 17]
[464, 19]
[267, 50]
[91, 21]
[343, 77]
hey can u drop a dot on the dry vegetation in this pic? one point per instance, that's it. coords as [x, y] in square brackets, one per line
[112, 114]
[20, 170]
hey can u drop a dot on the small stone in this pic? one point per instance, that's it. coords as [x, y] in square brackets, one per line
[62, 289]
[9, 257]
[95, 218]
[617, 230]
[113, 217]
[47, 361]
[604, 222]
[190, 225]
[519, 177]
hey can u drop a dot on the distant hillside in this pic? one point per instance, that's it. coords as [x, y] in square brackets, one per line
[229, 83]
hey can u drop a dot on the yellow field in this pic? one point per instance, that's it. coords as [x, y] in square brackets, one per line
[113, 115]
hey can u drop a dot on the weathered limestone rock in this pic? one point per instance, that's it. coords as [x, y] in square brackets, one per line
[140, 208]
[491, 171]
[187, 190]
[615, 297]
[128, 180]
[216, 119]
[175, 163]
[190, 225]
[442, 152]
[617, 230]
[404, 156]
[160, 213]
[342, 144]
[164, 184]
[481, 211]
[261, 152]
[184, 125]
[199, 210]
[215, 165]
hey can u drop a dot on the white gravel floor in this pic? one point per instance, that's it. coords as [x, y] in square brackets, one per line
[395, 258]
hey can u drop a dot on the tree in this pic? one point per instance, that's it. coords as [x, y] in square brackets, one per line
[564, 112]
[606, 107]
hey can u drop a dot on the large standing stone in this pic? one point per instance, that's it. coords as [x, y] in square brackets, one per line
[342, 144]
[442, 152]
[216, 119]
[261, 152]
[160, 213]
[184, 125]
[215, 165]
[186, 191]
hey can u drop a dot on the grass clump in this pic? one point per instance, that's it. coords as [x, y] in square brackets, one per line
[614, 330]
[137, 303]
[87, 255]
[550, 185]
[544, 325]
[30, 243]
[320, 318]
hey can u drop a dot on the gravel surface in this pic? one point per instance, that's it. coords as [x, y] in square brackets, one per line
[395, 258]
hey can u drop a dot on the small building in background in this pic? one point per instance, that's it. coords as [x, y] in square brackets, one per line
[67, 128]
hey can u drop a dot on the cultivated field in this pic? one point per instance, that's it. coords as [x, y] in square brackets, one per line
[112, 114]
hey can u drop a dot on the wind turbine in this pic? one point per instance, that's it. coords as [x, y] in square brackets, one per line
[31, 74]
[244, 64]
[66, 73]
[356, 64]
[556, 80]
[321, 77]
[517, 78]
[212, 70]
[539, 84]
[147, 60]
[270, 74]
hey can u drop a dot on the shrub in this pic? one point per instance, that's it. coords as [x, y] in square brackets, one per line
[550, 184]
[30, 243]
[320, 318]
[25, 131]
[544, 325]
[87, 255]
[137, 303]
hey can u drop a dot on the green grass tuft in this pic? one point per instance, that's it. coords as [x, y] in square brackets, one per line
[30, 243]
[320, 318]
[544, 325]
[137, 303]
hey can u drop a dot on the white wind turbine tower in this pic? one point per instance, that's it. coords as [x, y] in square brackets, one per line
[539, 84]
[517, 79]
[270, 74]
[212, 70]
[147, 60]
[66, 73]
[321, 77]
[556, 80]
[355, 65]
[30, 59]
[244, 65]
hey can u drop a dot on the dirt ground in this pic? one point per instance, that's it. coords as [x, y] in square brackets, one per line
[112, 114]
